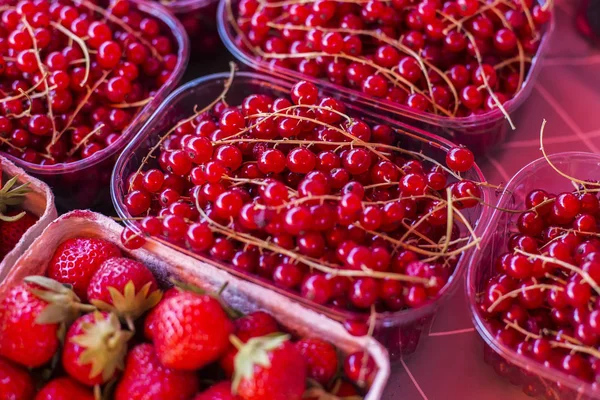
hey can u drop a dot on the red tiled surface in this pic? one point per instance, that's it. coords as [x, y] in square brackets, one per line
[449, 362]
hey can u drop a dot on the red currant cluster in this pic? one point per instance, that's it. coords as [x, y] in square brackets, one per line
[543, 299]
[301, 194]
[74, 74]
[455, 58]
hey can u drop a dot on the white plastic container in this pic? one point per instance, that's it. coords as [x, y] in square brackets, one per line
[240, 294]
[40, 201]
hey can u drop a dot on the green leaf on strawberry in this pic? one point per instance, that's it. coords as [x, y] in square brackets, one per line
[255, 352]
[63, 304]
[130, 304]
[12, 196]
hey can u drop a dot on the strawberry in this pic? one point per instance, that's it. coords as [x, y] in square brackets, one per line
[268, 368]
[11, 231]
[125, 287]
[218, 391]
[30, 316]
[15, 382]
[321, 359]
[255, 324]
[149, 321]
[145, 378]
[95, 347]
[341, 390]
[190, 331]
[76, 260]
[64, 388]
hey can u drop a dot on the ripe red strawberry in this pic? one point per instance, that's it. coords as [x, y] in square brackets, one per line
[341, 390]
[76, 260]
[218, 391]
[145, 378]
[30, 316]
[255, 324]
[149, 321]
[190, 331]
[11, 232]
[321, 359]
[125, 287]
[95, 347]
[269, 368]
[64, 388]
[22, 339]
[15, 382]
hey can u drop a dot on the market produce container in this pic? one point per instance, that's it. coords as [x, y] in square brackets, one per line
[39, 201]
[535, 379]
[166, 263]
[398, 331]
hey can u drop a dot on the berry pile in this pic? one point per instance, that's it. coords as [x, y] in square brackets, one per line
[73, 75]
[183, 334]
[14, 220]
[455, 58]
[311, 200]
[542, 300]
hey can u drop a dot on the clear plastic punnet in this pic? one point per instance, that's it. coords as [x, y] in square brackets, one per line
[478, 132]
[398, 331]
[535, 379]
[84, 183]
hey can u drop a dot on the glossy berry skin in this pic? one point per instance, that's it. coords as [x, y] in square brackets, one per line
[117, 273]
[145, 377]
[460, 159]
[22, 340]
[76, 260]
[218, 391]
[283, 379]
[360, 368]
[321, 359]
[64, 388]
[181, 338]
[15, 382]
[12, 232]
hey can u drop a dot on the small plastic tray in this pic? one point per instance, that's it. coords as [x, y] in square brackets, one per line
[84, 183]
[480, 133]
[40, 201]
[535, 379]
[398, 331]
[199, 18]
[164, 262]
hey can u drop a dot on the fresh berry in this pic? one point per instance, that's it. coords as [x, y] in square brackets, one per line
[145, 377]
[15, 382]
[218, 391]
[95, 347]
[269, 368]
[181, 335]
[64, 388]
[75, 262]
[124, 286]
[321, 359]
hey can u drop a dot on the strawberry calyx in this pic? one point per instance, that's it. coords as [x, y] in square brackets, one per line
[12, 196]
[64, 306]
[105, 345]
[316, 391]
[188, 287]
[255, 352]
[130, 305]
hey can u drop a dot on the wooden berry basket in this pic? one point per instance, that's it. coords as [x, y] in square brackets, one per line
[240, 294]
[40, 201]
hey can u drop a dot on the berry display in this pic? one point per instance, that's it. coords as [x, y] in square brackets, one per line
[74, 75]
[311, 198]
[188, 334]
[453, 58]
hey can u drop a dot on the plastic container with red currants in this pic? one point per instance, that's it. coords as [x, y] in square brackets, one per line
[328, 245]
[533, 292]
[199, 18]
[422, 63]
[79, 80]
